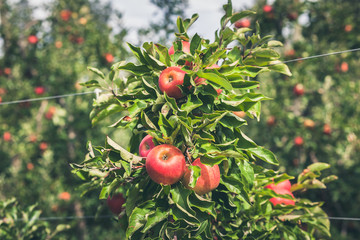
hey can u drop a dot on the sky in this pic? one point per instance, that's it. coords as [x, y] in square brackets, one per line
[139, 13]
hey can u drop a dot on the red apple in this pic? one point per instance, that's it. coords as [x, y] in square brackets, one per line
[240, 114]
[165, 164]
[32, 138]
[7, 71]
[267, 8]
[209, 178]
[32, 39]
[169, 80]
[298, 141]
[50, 113]
[327, 129]
[43, 146]
[292, 16]
[290, 53]
[58, 44]
[64, 196]
[185, 48]
[0, 99]
[7, 136]
[2, 91]
[79, 40]
[242, 23]
[299, 89]
[348, 28]
[109, 57]
[115, 203]
[30, 166]
[39, 90]
[146, 145]
[271, 121]
[65, 14]
[281, 188]
[344, 67]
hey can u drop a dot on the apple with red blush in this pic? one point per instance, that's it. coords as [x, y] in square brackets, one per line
[146, 145]
[208, 180]
[165, 164]
[169, 80]
[115, 203]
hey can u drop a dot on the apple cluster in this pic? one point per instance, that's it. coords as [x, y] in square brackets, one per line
[165, 164]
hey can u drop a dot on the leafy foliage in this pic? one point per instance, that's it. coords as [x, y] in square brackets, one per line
[201, 124]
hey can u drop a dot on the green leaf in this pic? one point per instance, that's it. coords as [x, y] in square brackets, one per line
[318, 167]
[103, 110]
[159, 215]
[266, 53]
[180, 25]
[189, 22]
[215, 78]
[138, 54]
[264, 154]
[195, 43]
[137, 70]
[91, 83]
[97, 72]
[237, 16]
[127, 156]
[195, 174]
[139, 217]
[192, 103]
[280, 67]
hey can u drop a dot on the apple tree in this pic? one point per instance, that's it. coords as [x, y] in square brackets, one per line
[189, 170]
[317, 104]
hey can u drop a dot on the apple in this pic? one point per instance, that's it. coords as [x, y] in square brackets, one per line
[50, 113]
[64, 196]
[58, 44]
[2, 91]
[109, 57]
[83, 21]
[65, 14]
[242, 23]
[298, 141]
[267, 8]
[39, 90]
[290, 53]
[299, 89]
[209, 178]
[7, 71]
[185, 48]
[146, 145]
[281, 188]
[7, 136]
[240, 114]
[43, 146]
[79, 40]
[292, 16]
[115, 203]
[308, 123]
[344, 67]
[32, 138]
[348, 28]
[169, 80]
[165, 164]
[271, 121]
[30, 166]
[327, 129]
[0, 99]
[32, 39]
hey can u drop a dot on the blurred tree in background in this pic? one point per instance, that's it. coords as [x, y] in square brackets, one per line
[43, 57]
[315, 115]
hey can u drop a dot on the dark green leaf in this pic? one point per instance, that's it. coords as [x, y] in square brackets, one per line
[264, 154]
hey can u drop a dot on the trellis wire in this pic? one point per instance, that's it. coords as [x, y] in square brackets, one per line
[97, 91]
